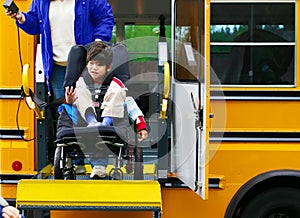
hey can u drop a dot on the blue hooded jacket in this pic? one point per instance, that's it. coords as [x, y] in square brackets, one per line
[93, 20]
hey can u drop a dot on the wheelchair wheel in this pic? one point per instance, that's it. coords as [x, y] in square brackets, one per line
[58, 172]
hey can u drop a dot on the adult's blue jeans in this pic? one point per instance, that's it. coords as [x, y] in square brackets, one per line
[57, 80]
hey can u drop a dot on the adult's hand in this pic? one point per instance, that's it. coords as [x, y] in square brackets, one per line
[18, 16]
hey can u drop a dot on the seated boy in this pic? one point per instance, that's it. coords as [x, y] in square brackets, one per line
[99, 112]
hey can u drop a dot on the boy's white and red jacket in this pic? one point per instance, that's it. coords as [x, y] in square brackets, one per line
[113, 103]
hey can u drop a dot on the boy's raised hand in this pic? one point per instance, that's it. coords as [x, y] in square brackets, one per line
[70, 94]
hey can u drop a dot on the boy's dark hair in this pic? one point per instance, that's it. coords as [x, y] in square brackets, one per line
[100, 52]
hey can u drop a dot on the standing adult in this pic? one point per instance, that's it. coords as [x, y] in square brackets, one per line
[63, 24]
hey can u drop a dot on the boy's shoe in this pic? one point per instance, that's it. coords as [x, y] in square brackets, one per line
[98, 171]
[79, 169]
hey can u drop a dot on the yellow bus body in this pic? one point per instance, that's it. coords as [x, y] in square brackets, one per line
[12, 147]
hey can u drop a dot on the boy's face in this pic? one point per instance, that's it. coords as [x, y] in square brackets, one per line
[97, 71]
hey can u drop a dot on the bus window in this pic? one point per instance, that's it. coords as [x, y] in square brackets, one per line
[188, 32]
[150, 36]
[253, 43]
[142, 44]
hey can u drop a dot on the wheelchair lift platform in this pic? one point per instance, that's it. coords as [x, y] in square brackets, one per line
[113, 195]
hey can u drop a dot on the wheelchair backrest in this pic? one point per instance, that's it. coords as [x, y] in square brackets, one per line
[77, 63]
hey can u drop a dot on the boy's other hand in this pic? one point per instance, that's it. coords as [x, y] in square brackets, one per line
[142, 135]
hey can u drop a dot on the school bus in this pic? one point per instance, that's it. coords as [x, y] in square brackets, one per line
[228, 144]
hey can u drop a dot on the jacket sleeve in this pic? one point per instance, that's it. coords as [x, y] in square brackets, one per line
[103, 17]
[31, 25]
[135, 113]
[133, 109]
[141, 124]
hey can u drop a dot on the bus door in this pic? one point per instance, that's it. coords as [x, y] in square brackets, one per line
[190, 94]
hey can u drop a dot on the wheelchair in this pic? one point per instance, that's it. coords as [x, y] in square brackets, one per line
[86, 142]
[77, 142]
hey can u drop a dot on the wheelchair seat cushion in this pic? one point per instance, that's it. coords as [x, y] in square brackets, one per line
[92, 133]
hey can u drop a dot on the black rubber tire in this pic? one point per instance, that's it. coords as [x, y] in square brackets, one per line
[276, 202]
[58, 172]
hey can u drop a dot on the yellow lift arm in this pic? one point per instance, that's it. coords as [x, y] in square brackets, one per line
[29, 94]
[164, 103]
